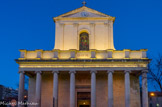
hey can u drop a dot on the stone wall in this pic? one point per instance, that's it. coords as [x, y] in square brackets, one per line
[47, 90]
[135, 91]
[101, 90]
[118, 88]
[64, 89]
[84, 79]
[100, 34]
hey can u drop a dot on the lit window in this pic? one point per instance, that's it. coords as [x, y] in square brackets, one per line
[84, 41]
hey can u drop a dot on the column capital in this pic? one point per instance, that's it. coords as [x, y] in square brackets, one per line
[127, 71]
[93, 71]
[92, 24]
[21, 72]
[106, 24]
[75, 24]
[110, 71]
[72, 71]
[62, 24]
[38, 72]
[145, 71]
[55, 71]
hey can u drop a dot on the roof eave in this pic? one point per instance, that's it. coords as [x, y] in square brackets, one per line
[84, 18]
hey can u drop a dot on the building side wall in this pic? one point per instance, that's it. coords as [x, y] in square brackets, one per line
[155, 100]
[1, 92]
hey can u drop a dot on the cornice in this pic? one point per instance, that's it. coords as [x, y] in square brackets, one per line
[83, 61]
[84, 18]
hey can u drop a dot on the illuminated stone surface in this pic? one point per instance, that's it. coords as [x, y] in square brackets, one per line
[111, 83]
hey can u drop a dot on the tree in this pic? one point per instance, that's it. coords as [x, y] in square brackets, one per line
[155, 73]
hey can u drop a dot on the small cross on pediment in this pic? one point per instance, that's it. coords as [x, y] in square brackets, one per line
[84, 3]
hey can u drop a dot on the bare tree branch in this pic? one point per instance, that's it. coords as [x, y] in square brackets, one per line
[155, 72]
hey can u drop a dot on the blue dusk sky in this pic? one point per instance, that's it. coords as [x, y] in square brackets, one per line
[28, 24]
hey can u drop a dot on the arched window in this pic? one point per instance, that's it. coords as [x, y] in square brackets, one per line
[84, 41]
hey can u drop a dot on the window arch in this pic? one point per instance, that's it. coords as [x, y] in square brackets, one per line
[84, 41]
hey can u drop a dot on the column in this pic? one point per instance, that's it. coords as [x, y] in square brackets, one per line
[110, 88]
[93, 88]
[38, 88]
[72, 88]
[55, 88]
[21, 87]
[127, 88]
[144, 89]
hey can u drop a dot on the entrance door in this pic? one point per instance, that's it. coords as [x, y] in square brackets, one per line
[84, 106]
[83, 99]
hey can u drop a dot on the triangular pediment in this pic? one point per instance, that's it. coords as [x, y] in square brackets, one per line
[84, 12]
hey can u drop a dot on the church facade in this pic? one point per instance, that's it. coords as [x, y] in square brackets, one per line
[84, 69]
